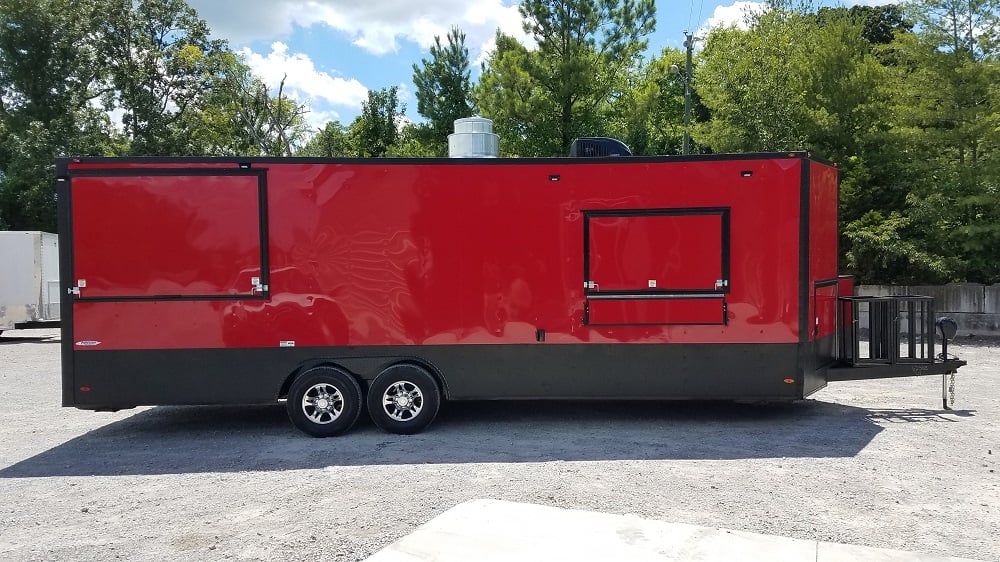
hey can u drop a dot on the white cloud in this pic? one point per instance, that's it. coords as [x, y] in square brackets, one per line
[304, 82]
[738, 13]
[403, 122]
[376, 26]
[735, 14]
[317, 119]
[485, 50]
[870, 2]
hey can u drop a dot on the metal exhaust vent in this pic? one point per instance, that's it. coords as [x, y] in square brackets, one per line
[473, 138]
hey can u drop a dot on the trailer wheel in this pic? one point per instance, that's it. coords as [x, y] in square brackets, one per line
[404, 399]
[324, 401]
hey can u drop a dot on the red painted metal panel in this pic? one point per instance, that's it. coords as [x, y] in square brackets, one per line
[825, 303]
[393, 253]
[656, 311]
[144, 236]
[823, 202]
[665, 252]
[846, 289]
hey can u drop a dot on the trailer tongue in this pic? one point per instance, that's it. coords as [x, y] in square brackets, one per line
[389, 285]
[894, 336]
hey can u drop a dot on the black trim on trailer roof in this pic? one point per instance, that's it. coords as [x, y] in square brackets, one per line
[821, 160]
[254, 160]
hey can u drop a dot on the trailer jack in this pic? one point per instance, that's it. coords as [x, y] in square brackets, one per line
[948, 329]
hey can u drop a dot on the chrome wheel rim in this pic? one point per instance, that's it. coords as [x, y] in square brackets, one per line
[402, 401]
[322, 403]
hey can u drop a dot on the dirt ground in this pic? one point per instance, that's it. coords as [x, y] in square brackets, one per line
[874, 463]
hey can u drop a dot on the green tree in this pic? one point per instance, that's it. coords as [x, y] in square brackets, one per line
[277, 124]
[798, 80]
[883, 249]
[412, 143]
[753, 91]
[879, 24]
[332, 141]
[47, 70]
[949, 109]
[444, 90]
[649, 114]
[524, 115]
[376, 130]
[585, 50]
[158, 55]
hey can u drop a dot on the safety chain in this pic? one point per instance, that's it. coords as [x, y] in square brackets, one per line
[951, 391]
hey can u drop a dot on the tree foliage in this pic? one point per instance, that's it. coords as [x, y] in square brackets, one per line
[904, 99]
[756, 97]
[444, 90]
[48, 69]
[158, 54]
[649, 112]
[585, 49]
[376, 130]
[949, 109]
[332, 141]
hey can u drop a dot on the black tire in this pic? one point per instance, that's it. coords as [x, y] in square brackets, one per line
[324, 401]
[404, 399]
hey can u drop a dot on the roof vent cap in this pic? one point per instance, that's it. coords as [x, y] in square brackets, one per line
[473, 138]
[598, 147]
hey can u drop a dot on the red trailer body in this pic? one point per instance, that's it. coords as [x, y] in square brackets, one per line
[213, 281]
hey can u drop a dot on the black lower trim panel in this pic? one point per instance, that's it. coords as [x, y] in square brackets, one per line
[468, 372]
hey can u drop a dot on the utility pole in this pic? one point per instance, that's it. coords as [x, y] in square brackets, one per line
[689, 45]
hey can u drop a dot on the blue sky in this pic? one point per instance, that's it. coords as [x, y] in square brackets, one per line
[333, 51]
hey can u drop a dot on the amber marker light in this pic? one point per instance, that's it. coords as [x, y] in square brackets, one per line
[789, 381]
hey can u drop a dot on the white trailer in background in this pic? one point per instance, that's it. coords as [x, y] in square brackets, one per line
[29, 279]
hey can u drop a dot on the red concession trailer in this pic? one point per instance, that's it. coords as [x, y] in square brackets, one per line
[388, 285]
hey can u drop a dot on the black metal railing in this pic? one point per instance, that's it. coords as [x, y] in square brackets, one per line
[886, 330]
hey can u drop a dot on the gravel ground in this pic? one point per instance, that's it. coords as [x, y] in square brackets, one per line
[872, 463]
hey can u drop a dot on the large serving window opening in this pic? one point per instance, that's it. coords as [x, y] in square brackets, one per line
[656, 266]
[184, 234]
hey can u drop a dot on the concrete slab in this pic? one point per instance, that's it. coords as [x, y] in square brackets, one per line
[493, 530]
